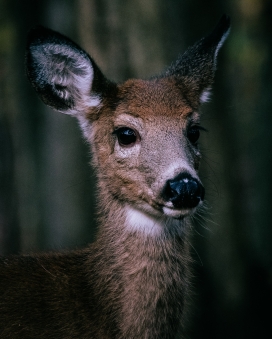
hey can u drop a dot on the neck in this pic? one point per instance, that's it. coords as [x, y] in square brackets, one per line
[146, 270]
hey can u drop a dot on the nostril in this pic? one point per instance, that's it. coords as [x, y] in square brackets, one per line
[184, 191]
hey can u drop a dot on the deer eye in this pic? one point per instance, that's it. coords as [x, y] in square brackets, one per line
[193, 133]
[126, 136]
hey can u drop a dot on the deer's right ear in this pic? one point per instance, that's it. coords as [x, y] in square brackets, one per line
[64, 76]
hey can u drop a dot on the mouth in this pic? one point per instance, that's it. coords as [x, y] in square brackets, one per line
[176, 213]
[167, 209]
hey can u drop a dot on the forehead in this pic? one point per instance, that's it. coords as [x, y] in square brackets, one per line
[148, 99]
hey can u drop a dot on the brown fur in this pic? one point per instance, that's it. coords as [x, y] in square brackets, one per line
[133, 281]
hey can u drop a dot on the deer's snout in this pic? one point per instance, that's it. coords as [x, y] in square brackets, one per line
[183, 191]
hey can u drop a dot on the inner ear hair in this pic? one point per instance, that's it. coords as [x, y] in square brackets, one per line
[61, 72]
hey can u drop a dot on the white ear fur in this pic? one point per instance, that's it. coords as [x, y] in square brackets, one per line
[205, 95]
[69, 72]
[220, 44]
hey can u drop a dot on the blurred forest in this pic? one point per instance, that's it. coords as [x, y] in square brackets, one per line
[47, 198]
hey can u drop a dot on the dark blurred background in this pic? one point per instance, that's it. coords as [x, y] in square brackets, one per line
[46, 185]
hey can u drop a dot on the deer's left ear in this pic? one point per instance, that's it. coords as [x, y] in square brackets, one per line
[195, 69]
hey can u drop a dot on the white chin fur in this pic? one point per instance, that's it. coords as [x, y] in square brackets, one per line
[151, 225]
[170, 212]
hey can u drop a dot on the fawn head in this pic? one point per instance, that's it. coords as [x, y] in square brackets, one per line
[143, 133]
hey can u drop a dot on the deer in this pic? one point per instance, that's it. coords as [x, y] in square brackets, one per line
[133, 281]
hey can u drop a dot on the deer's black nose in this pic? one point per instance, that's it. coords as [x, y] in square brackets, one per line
[183, 191]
